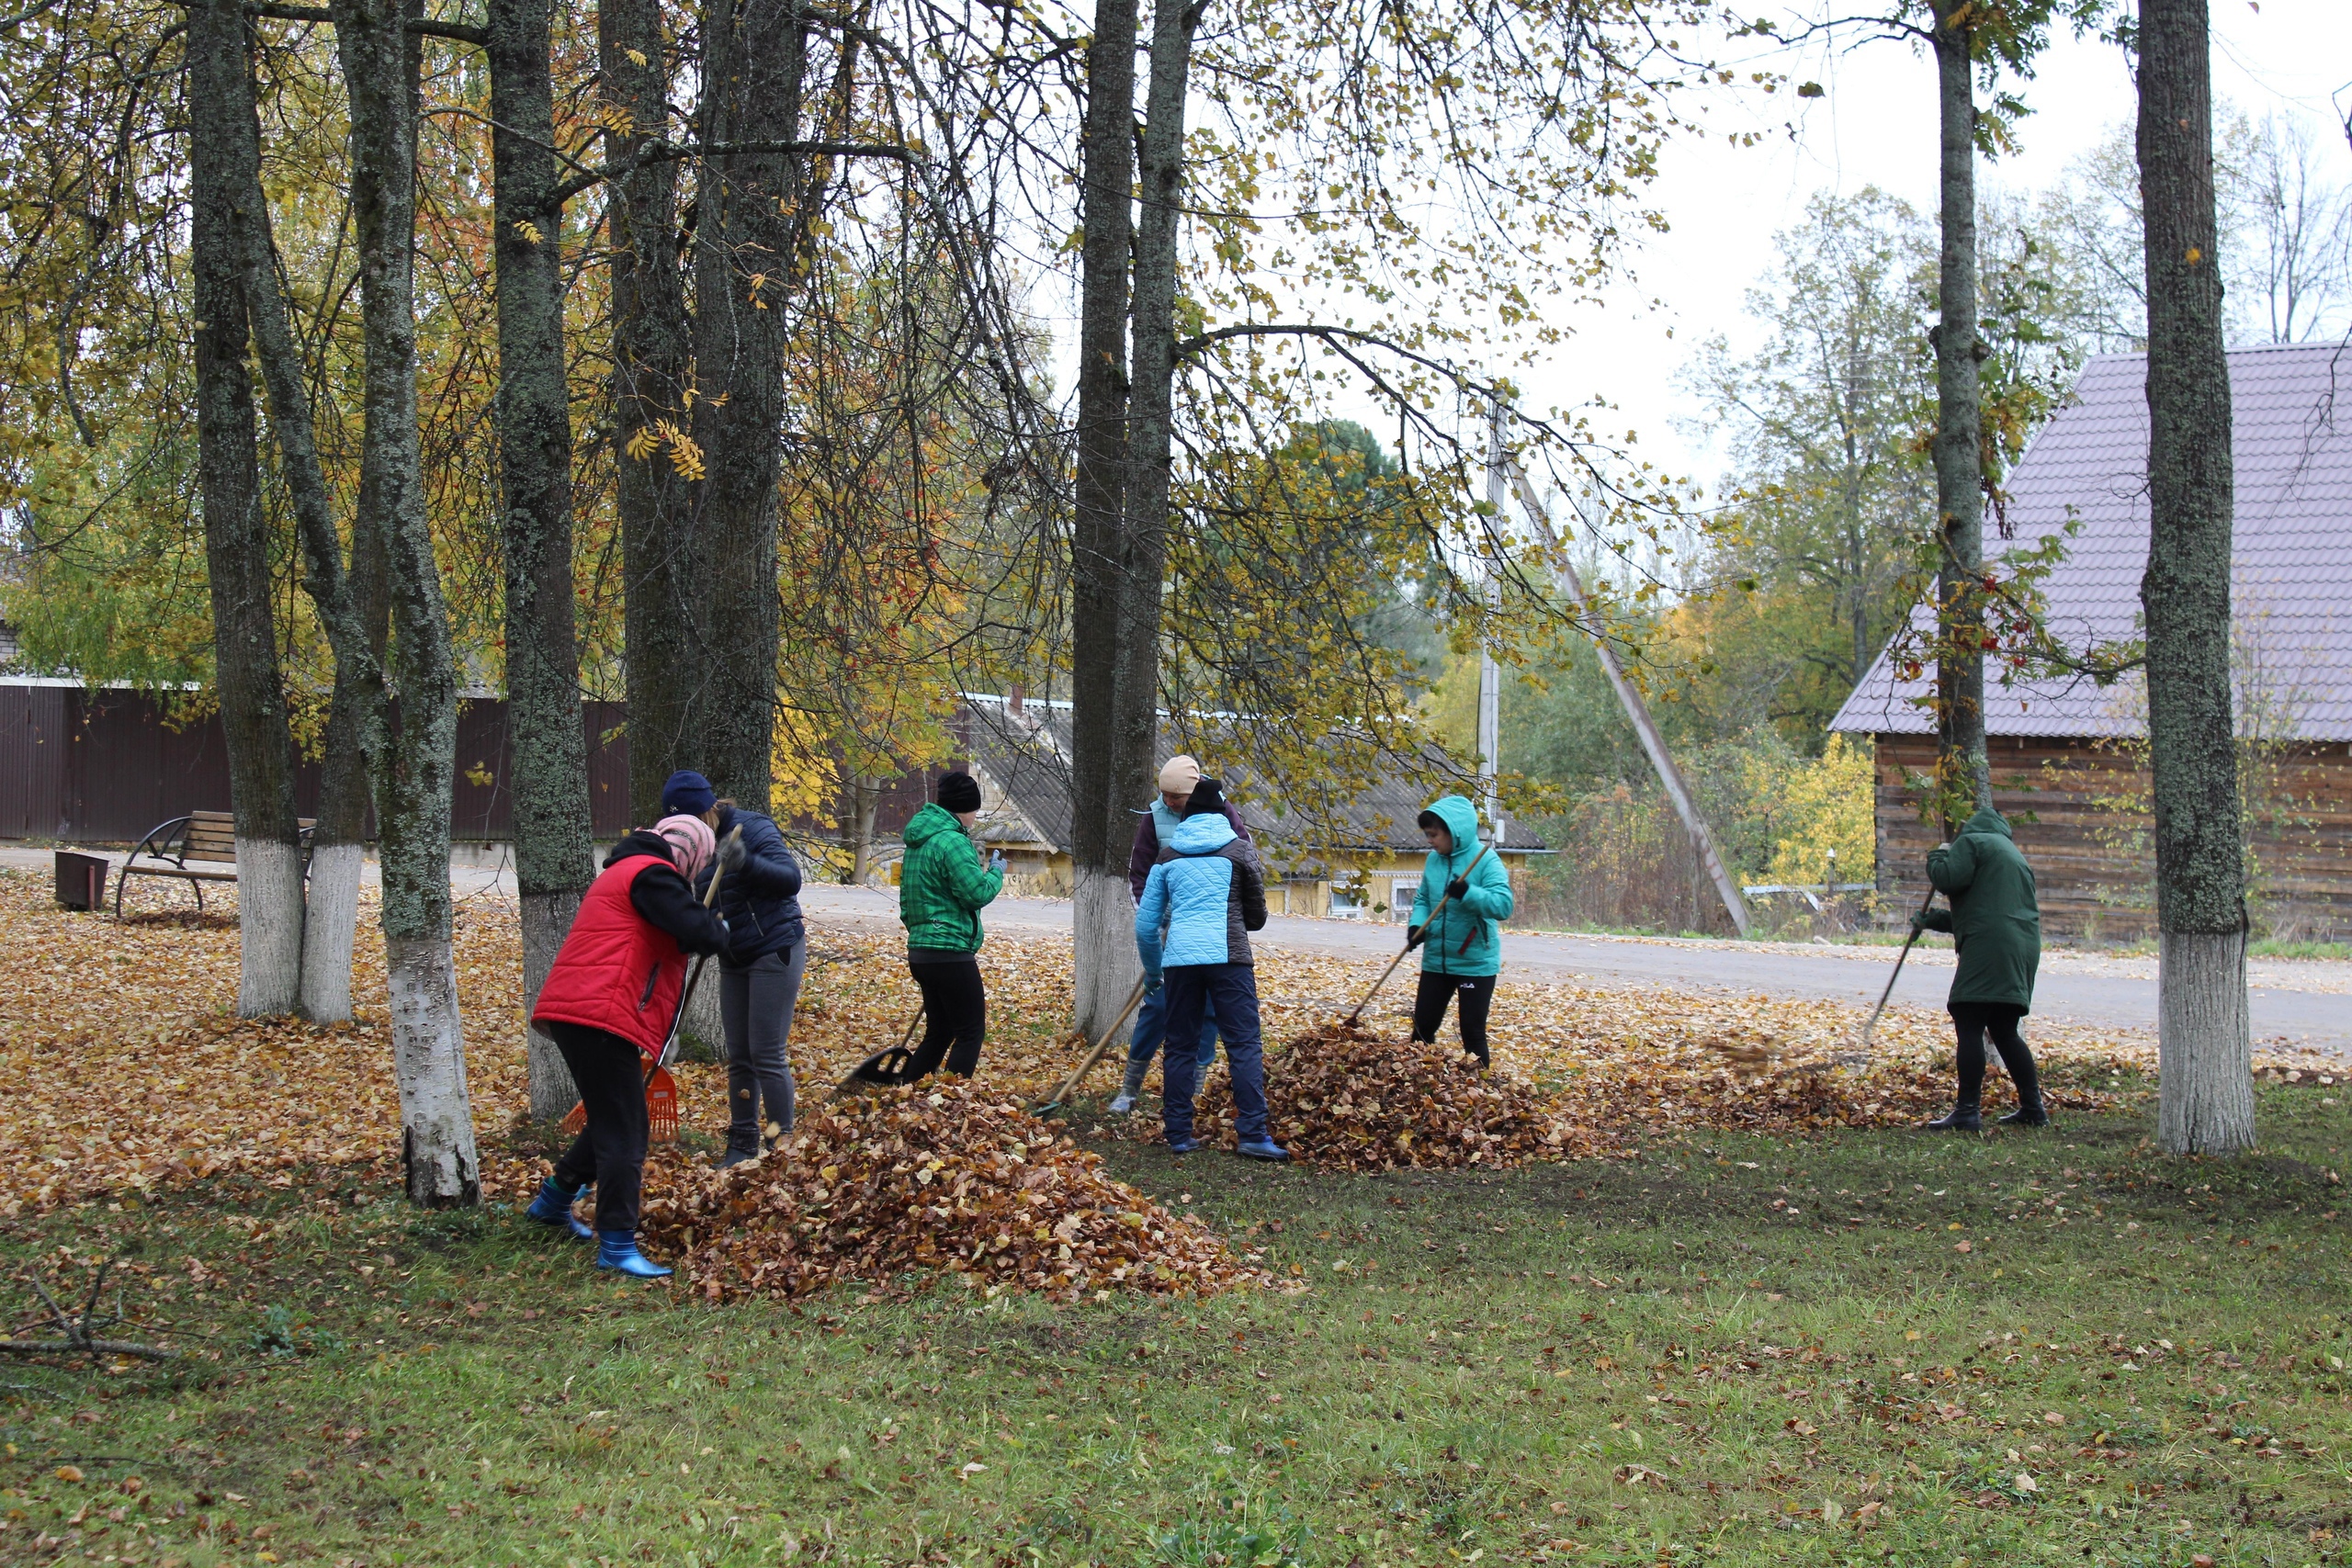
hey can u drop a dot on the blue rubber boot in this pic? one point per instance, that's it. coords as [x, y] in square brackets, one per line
[617, 1250]
[1183, 1145]
[552, 1207]
[1263, 1148]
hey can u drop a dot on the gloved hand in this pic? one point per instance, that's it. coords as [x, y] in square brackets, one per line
[1153, 982]
[1415, 936]
[1918, 923]
[1457, 887]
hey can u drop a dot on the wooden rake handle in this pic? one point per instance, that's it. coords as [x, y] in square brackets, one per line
[1070, 1084]
[1871, 1022]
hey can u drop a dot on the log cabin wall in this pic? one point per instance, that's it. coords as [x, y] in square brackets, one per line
[2079, 811]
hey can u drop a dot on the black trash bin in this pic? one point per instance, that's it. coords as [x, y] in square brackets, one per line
[82, 880]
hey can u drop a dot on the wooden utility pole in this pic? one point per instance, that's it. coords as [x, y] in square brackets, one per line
[1686, 806]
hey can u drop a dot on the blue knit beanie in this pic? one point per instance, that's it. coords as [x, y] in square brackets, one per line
[687, 793]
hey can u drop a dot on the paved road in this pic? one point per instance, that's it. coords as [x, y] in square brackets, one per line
[2294, 1002]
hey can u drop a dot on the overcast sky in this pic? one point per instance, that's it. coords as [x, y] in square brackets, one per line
[1876, 125]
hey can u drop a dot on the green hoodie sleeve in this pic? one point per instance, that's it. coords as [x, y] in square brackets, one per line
[1952, 867]
[969, 881]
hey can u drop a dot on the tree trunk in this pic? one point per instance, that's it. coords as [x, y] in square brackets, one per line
[1102, 909]
[2203, 1032]
[350, 605]
[236, 532]
[1150, 433]
[414, 775]
[747, 210]
[357, 607]
[865, 800]
[1964, 777]
[662, 568]
[554, 860]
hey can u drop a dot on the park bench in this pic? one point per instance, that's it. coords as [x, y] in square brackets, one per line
[198, 848]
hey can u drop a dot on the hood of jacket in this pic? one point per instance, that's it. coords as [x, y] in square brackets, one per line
[1461, 819]
[929, 823]
[642, 841]
[1987, 820]
[1202, 834]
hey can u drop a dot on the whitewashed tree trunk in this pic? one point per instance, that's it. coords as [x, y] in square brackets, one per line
[1105, 939]
[547, 916]
[329, 925]
[2204, 1043]
[269, 926]
[429, 1065]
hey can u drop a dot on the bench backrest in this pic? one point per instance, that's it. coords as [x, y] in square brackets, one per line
[211, 835]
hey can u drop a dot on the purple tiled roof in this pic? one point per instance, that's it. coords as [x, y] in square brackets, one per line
[2291, 408]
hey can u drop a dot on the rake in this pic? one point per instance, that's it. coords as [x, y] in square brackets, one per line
[1070, 1084]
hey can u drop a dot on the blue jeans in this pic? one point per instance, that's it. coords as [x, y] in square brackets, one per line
[1232, 989]
[1151, 1028]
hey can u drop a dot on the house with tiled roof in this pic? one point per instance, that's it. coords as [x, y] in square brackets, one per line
[2069, 755]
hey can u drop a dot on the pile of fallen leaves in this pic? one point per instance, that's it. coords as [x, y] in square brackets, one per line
[941, 1176]
[1339, 1096]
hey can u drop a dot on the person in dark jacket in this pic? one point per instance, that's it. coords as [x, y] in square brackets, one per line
[608, 1004]
[758, 976]
[1996, 925]
[1462, 943]
[1178, 778]
[943, 888]
[1208, 894]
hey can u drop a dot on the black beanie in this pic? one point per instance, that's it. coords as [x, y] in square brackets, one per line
[1208, 795]
[959, 792]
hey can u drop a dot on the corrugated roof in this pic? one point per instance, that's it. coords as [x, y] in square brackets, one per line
[2292, 410]
[1029, 760]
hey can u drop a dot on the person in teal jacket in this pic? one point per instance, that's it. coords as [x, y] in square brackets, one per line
[1461, 943]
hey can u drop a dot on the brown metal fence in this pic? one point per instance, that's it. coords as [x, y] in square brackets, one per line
[103, 767]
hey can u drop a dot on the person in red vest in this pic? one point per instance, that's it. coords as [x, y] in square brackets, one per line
[608, 1003]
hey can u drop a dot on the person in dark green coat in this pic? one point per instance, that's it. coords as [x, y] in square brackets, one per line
[1996, 927]
[942, 886]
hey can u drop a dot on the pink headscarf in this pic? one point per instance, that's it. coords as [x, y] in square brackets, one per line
[690, 841]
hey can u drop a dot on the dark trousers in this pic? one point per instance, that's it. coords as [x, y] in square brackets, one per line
[1973, 1021]
[955, 1018]
[1477, 994]
[1233, 989]
[610, 1075]
[755, 1003]
[1151, 1028]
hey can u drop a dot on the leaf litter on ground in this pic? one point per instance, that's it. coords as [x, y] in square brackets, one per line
[131, 1071]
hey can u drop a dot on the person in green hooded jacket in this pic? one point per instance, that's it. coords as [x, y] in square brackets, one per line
[942, 886]
[1996, 927]
[1462, 943]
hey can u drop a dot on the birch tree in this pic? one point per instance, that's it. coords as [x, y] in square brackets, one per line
[2203, 1031]
[554, 861]
[414, 774]
[236, 530]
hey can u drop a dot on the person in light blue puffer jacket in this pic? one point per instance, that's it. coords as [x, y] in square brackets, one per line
[1209, 894]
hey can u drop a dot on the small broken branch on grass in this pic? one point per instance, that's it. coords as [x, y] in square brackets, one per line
[78, 1336]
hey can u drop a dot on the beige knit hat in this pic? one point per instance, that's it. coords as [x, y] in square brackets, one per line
[1179, 774]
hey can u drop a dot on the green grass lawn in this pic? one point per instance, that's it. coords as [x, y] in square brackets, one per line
[1732, 1350]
